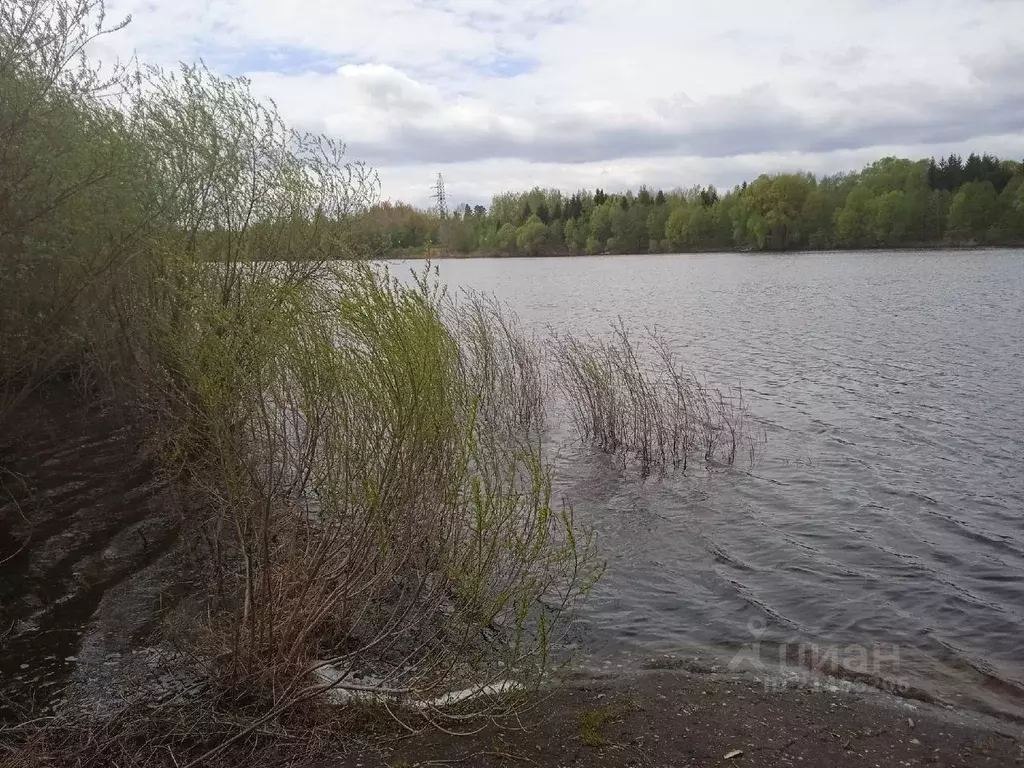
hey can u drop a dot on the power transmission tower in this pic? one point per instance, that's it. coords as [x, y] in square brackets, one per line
[441, 206]
[442, 203]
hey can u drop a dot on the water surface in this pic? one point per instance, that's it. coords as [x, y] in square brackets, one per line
[884, 513]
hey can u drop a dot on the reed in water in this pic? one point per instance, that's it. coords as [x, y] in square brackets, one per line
[635, 400]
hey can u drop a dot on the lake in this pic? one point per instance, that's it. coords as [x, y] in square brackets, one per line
[882, 521]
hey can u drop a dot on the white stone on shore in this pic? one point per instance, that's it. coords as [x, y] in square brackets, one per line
[356, 686]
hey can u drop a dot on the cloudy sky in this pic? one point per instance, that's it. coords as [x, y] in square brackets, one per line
[508, 94]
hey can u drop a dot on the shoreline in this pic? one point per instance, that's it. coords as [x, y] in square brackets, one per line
[680, 718]
[748, 252]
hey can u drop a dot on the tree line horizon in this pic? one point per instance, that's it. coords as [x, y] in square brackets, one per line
[893, 202]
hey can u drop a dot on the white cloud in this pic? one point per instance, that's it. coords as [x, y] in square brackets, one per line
[570, 93]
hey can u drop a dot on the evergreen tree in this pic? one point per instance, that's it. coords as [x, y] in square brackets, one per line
[543, 214]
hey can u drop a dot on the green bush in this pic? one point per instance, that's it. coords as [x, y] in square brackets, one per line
[369, 490]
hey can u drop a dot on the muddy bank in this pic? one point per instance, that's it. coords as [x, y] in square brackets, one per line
[680, 719]
[87, 541]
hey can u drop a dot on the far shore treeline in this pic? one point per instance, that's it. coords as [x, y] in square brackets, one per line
[892, 203]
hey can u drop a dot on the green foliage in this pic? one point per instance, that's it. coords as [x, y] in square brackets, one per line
[769, 214]
[409, 422]
[1010, 223]
[689, 226]
[365, 449]
[891, 203]
[507, 237]
[629, 227]
[657, 220]
[601, 220]
[74, 192]
[571, 235]
[531, 235]
[974, 209]
[952, 173]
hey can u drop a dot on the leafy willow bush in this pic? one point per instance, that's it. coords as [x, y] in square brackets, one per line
[362, 452]
[71, 195]
[365, 510]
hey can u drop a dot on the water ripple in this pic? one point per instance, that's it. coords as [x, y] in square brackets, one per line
[887, 505]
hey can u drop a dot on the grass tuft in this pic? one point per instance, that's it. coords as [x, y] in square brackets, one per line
[592, 722]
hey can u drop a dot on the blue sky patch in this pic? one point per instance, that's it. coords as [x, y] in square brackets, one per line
[285, 59]
[507, 66]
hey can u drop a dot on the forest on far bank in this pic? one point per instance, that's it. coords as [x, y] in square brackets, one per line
[892, 203]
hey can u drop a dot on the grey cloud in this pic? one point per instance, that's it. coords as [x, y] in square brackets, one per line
[846, 58]
[1003, 67]
[389, 94]
[753, 122]
[571, 139]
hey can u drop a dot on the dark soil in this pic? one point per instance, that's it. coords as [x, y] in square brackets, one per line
[678, 719]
